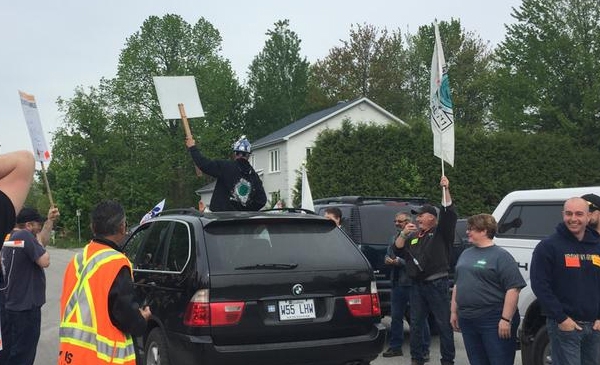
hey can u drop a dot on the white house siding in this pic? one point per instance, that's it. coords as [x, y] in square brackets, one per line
[293, 151]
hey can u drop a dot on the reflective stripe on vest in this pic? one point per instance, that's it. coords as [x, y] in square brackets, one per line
[79, 325]
[106, 349]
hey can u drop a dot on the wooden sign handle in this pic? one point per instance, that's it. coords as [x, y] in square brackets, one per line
[47, 185]
[187, 130]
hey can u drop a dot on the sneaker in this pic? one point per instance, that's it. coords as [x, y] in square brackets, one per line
[426, 357]
[392, 352]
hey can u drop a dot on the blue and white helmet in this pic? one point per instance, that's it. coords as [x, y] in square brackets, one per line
[242, 145]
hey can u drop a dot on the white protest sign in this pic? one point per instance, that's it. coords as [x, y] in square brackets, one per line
[175, 90]
[32, 118]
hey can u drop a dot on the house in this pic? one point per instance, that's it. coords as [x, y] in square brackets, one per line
[281, 154]
[278, 157]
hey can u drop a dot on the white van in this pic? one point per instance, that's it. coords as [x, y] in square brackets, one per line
[525, 217]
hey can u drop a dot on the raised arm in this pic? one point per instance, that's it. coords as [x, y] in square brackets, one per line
[16, 176]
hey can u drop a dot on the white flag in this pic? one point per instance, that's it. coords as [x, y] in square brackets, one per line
[154, 212]
[32, 118]
[442, 118]
[307, 200]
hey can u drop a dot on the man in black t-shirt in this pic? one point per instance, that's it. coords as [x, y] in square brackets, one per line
[16, 175]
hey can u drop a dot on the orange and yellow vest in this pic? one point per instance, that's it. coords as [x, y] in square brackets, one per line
[87, 335]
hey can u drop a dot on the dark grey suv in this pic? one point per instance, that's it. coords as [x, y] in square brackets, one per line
[254, 288]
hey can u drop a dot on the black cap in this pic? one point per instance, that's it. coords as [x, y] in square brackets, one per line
[426, 208]
[593, 200]
[29, 215]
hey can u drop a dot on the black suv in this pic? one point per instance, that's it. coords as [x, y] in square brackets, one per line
[369, 221]
[273, 287]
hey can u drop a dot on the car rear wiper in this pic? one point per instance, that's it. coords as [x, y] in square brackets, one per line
[268, 267]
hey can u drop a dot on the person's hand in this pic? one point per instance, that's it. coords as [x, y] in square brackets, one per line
[410, 227]
[145, 312]
[504, 328]
[189, 142]
[53, 214]
[569, 325]
[596, 326]
[391, 261]
[444, 182]
[454, 321]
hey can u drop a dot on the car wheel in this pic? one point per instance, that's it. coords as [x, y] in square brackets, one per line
[541, 348]
[156, 348]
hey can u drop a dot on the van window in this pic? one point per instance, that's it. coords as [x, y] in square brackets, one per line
[530, 220]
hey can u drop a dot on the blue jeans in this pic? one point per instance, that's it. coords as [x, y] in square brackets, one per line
[425, 297]
[574, 347]
[483, 345]
[400, 296]
[23, 333]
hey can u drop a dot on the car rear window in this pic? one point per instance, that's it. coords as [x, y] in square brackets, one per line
[279, 245]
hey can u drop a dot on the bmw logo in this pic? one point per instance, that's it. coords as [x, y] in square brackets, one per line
[297, 289]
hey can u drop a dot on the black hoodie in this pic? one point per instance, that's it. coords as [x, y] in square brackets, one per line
[565, 275]
[228, 173]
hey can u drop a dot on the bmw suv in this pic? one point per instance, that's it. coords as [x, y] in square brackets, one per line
[273, 287]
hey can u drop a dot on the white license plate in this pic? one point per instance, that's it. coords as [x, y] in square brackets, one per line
[296, 309]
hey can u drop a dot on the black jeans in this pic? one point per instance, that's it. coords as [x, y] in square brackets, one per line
[23, 331]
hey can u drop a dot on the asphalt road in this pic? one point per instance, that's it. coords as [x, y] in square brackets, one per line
[47, 350]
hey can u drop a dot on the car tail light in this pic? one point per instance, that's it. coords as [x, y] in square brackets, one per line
[364, 305]
[200, 312]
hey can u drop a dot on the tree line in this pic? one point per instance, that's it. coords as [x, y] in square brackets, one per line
[527, 111]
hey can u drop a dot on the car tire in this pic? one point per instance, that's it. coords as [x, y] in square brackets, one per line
[156, 352]
[541, 347]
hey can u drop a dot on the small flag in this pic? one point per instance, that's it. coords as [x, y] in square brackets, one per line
[32, 118]
[442, 117]
[154, 212]
[307, 200]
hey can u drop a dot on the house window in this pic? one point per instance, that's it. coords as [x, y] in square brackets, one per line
[252, 161]
[308, 152]
[274, 161]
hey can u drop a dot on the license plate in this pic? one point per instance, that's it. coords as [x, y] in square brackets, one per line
[296, 309]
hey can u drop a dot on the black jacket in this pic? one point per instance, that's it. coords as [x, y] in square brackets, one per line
[122, 306]
[432, 250]
[228, 173]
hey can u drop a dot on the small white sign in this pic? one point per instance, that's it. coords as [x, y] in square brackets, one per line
[175, 90]
[34, 124]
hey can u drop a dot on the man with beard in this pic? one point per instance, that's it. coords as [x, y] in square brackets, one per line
[594, 205]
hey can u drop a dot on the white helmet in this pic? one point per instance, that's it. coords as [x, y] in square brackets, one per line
[242, 145]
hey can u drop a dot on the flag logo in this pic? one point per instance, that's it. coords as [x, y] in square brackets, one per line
[442, 116]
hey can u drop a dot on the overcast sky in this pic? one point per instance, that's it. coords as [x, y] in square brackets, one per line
[48, 48]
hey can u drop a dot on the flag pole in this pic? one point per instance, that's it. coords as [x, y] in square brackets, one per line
[187, 130]
[47, 185]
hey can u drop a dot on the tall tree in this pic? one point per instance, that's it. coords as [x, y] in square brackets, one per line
[548, 76]
[277, 81]
[469, 69]
[369, 64]
[114, 142]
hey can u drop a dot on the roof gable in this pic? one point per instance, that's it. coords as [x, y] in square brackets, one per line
[315, 118]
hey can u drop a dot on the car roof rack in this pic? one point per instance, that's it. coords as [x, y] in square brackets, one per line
[187, 211]
[359, 199]
[290, 210]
